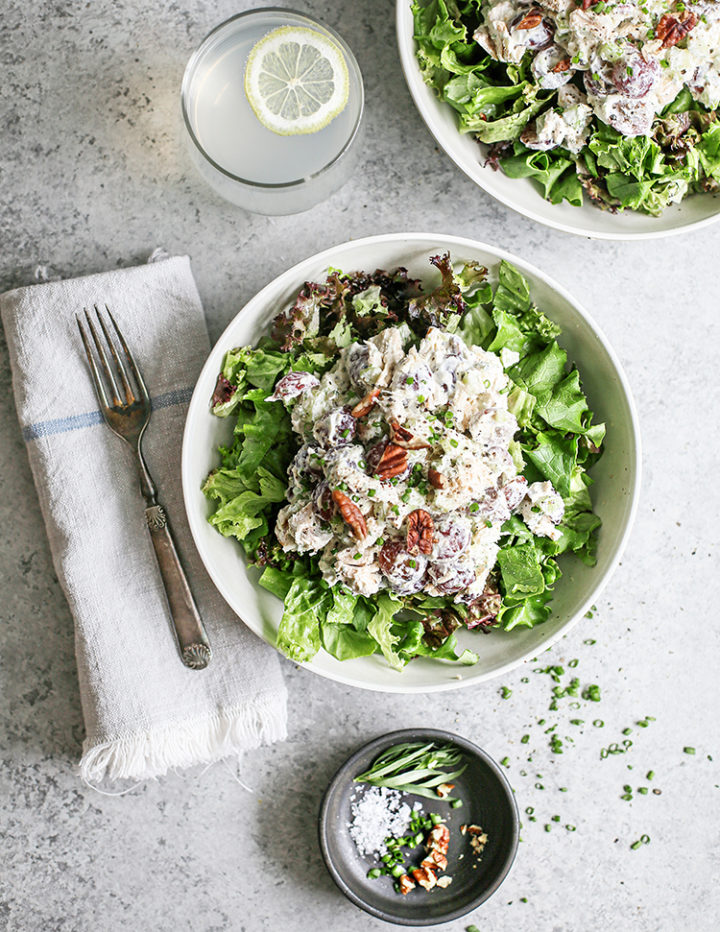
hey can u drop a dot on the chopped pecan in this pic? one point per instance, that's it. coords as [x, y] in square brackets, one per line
[562, 65]
[366, 405]
[420, 532]
[436, 479]
[393, 462]
[435, 861]
[586, 4]
[530, 20]
[351, 514]
[439, 838]
[673, 28]
[402, 437]
[425, 877]
[444, 789]
[405, 884]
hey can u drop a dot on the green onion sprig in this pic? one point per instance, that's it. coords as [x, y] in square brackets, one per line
[415, 767]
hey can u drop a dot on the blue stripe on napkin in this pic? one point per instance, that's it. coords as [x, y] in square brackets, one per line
[63, 425]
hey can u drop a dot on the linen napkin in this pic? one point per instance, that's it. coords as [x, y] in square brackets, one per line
[144, 711]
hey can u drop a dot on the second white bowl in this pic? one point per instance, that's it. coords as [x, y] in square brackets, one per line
[694, 212]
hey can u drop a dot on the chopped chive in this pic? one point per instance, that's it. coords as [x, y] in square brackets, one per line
[374, 872]
[688, 750]
[524, 739]
[571, 828]
[505, 692]
[456, 804]
[649, 775]
[642, 790]
[505, 762]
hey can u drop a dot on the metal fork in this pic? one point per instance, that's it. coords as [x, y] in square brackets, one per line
[128, 419]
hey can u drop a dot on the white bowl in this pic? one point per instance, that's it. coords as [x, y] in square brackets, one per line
[694, 212]
[616, 475]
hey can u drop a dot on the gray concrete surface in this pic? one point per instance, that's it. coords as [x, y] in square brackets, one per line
[93, 174]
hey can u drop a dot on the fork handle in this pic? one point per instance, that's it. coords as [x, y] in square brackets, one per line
[190, 631]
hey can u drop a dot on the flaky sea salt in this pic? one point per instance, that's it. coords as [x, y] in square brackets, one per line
[376, 815]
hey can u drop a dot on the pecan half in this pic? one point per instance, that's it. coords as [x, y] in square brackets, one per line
[586, 4]
[562, 65]
[530, 20]
[351, 514]
[420, 532]
[402, 437]
[436, 479]
[673, 28]
[365, 405]
[393, 462]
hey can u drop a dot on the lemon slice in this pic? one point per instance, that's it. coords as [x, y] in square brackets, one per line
[296, 80]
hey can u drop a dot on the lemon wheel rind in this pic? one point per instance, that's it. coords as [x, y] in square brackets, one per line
[327, 112]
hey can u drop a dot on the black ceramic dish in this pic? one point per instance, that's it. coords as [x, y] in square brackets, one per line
[488, 801]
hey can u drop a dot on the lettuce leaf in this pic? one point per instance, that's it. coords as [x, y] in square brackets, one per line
[306, 605]
[380, 628]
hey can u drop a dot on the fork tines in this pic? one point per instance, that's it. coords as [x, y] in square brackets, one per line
[110, 381]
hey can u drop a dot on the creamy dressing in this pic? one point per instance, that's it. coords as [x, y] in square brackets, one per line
[628, 76]
[452, 400]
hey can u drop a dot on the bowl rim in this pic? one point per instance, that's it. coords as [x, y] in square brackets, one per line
[198, 407]
[405, 44]
[380, 743]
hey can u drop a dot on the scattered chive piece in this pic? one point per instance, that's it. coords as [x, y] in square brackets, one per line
[574, 663]
[649, 775]
[548, 827]
[556, 818]
[577, 721]
[505, 692]
[529, 810]
[505, 761]
[642, 790]
[635, 845]
[645, 839]
[688, 750]
[563, 789]
[590, 640]
[374, 872]
[524, 739]
[539, 786]
[456, 804]
[599, 723]
[570, 828]
[523, 899]
[627, 731]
